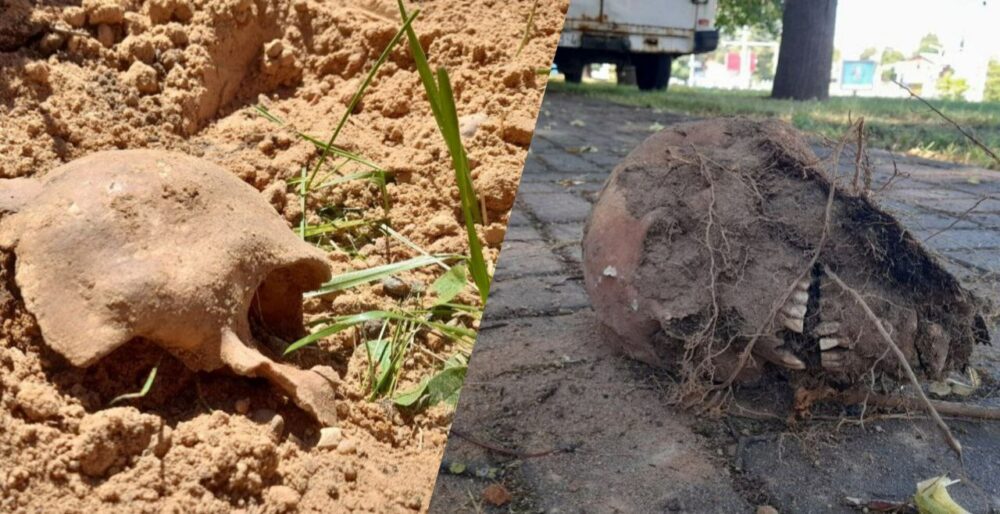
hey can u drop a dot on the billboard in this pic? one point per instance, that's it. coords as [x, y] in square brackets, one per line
[858, 75]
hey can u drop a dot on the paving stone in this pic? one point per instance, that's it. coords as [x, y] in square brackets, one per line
[518, 219]
[524, 233]
[534, 296]
[520, 258]
[566, 162]
[953, 239]
[561, 208]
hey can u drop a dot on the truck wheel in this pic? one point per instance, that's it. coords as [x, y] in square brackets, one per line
[572, 72]
[652, 71]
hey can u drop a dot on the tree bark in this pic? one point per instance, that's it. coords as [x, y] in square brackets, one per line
[805, 58]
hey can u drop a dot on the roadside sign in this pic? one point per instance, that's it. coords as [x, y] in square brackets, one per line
[858, 75]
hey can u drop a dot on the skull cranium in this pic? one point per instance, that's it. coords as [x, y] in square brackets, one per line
[168, 248]
[701, 229]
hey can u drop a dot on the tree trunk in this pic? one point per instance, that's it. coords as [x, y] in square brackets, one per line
[806, 54]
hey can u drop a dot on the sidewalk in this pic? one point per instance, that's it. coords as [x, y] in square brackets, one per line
[542, 379]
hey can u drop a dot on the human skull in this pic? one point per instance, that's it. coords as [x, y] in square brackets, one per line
[706, 226]
[168, 248]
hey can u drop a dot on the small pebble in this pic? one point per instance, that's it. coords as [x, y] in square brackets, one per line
[283, 498]
[142, 77]
[347, 447]
[766, 509]
[37, 72]
[330, 437]
[106, 35]
[242, 405]
[274, 48]
[395, 287]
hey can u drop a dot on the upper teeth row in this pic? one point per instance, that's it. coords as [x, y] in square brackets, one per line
[794, 310]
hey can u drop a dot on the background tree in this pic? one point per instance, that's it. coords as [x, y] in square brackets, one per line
[765, 64]
[805, 57]
[992, 90]
[868, 53]
[760, 15]
[929, 44]
[951, 88]
[889, 57]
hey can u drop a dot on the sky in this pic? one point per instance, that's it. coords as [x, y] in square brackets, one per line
[901, 23]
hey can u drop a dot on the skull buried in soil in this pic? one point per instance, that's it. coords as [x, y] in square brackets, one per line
[703, 229]
[168, 248]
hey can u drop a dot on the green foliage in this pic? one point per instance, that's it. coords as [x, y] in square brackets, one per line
[442, 101]
[764, 15]
[443, 387]
[765, 64]
[930, 43]
[364, 276]
[992, 90]
[951, 88]
[901, 125]
[681, 68]
[400, 326]
[146, 386]
[891, 56]
[868, 53]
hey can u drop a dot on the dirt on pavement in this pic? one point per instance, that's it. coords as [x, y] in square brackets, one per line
[78, 77]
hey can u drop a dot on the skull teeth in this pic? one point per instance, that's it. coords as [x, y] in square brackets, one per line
[800, 297]
[827, 328]
[833, 360]
[794, 311]
[802, 285]
[827, 343]
[796, 325]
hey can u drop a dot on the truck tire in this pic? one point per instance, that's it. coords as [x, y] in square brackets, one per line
[652, 71]
[573, 72]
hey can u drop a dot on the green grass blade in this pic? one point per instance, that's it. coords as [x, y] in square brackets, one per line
[361, 91]
[442, 100]
[403, 239]
[142, 392]
[355, 278]
[340, 324]
[528, 28]
[328, 228]
[470, 204]
[448, 285]
[443, 387]
[420, 59]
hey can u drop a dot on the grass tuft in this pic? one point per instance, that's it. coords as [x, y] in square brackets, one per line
[442, 101]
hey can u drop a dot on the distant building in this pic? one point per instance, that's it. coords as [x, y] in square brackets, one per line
[919, 73]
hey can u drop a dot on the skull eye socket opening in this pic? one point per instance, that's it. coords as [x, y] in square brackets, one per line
[276, 307]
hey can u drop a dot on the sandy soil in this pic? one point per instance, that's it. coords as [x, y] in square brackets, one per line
[182, 75]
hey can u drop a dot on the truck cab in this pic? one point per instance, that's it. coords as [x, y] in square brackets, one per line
[646, 34]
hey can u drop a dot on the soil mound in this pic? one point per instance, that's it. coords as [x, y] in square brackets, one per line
[701, 232]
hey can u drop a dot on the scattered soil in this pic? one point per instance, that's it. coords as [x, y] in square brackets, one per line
[702, 230]
[182, 75]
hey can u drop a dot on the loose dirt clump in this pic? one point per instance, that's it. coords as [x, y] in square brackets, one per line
[715, 235]
[182, 75]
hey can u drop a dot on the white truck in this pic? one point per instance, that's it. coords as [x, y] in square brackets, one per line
[646, 34]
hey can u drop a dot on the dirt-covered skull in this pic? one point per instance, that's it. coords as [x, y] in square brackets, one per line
[168, 248]
[701, 231]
